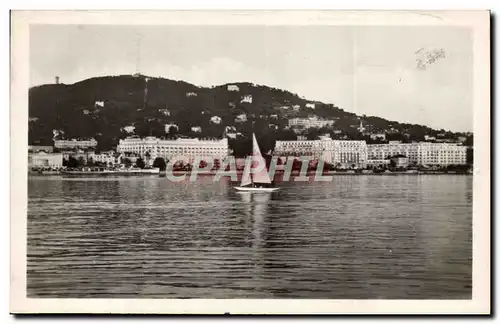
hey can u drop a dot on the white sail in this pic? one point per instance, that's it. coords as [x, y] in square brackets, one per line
[259, 163]
[246, 179]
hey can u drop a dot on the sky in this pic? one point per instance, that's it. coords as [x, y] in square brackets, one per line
[366, 70]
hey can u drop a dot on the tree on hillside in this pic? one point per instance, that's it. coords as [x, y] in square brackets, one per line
[172, 131]
[81, 161]
[127, 162]
[72, 162]
[470, 156]
[140, 163]
[469, 141]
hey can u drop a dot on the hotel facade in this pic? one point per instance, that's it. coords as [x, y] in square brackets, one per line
[183, 149]
[422, 153]
[442, 154]
[349, 153]
[358, 154]
[342, 153]
[385, 151]
[45, 160]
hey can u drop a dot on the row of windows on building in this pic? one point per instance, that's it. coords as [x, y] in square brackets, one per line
[170, 148]
[422, 153]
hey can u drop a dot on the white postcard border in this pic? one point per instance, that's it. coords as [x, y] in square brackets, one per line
[478, 21]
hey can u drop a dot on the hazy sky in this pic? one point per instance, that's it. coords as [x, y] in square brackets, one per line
[366, 70]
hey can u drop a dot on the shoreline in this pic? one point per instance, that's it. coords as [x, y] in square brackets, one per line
[279, 173]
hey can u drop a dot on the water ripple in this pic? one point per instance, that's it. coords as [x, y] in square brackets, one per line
[354, 237]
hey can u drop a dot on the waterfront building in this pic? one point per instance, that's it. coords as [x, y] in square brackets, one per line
[185, 148]
[310, 122]
[107, 158]
[385, 151]
[132, 157]
[80, 155]
[399, 161]
[40, 148]
[45, 160]
[349, 154]
[442, 154]
[299, 148]
[422, 153]
[377, 163]
[337, 152]
[75, 143]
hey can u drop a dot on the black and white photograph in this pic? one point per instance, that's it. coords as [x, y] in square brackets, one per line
[245, 156]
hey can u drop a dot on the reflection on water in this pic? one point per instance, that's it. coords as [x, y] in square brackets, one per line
[353, 237]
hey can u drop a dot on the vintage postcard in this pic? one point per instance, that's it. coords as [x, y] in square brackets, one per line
[250, 162]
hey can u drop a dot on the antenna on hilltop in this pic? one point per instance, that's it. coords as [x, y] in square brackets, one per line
[145, 102]
[138, 55]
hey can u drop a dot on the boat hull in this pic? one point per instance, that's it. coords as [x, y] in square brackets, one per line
[253, 189]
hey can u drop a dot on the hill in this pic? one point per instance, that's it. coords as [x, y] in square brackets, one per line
[102, 107]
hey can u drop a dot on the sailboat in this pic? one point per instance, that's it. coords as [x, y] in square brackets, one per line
[259, 181]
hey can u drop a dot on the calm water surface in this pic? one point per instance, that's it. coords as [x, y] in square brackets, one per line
[364, 236]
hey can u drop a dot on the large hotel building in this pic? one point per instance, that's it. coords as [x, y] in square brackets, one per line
[185, 149]
[345, 153]
[358, 153]
[422, 153]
